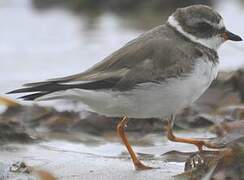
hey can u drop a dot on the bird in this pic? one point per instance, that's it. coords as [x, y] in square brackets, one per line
[155, 75]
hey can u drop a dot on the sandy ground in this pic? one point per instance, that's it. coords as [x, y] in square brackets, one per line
[95, 158]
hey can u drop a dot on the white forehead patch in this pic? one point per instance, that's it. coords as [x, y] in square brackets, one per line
[212, 43]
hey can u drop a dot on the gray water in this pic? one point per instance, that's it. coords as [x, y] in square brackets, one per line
[38, 45]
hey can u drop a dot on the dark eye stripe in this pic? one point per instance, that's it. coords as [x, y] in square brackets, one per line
[204, 25]
[222, 29]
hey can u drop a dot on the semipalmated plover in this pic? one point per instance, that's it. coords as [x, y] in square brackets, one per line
[155, 75]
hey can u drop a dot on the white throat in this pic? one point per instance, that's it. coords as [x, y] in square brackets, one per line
[212, 43]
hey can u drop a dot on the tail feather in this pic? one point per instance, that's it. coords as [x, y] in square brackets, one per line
[43, 88]
[37, 84]
[32, 97]
[48, 87]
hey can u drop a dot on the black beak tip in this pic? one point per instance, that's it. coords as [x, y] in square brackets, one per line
[240, 39]
[237, 38]
[233, 37]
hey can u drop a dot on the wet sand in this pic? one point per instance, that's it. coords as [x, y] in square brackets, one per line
[105, 158]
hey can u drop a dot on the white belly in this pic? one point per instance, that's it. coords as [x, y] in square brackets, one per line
[160, 100]
[150, 99]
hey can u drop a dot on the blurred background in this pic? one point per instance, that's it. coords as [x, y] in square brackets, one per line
[42, 39]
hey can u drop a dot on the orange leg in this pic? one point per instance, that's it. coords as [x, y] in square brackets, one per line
[120, 130]
[198, 142]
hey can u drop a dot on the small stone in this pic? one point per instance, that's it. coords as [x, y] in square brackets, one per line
[20, 167]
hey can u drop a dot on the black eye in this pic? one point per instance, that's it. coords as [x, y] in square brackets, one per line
[222, 30]
[204, 26]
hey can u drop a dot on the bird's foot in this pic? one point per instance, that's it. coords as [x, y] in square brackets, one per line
[197, 142]
[140, 166]
[120, 130]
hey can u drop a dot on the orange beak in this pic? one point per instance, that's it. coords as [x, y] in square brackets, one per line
[227, 35]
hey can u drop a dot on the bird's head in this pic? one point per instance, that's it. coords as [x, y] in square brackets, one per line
[202, 24]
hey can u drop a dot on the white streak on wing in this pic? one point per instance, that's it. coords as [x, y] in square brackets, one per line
[74, 82]
[100, 75]
[212, 43]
